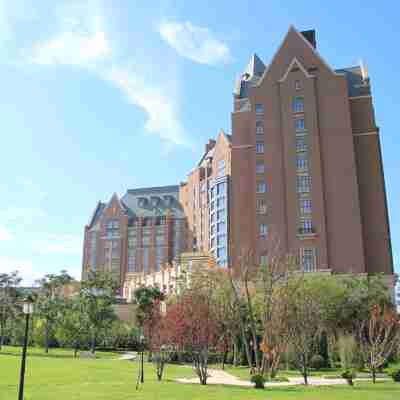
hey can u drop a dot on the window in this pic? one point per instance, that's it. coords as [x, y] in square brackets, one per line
[259, 147]
[161, 220]
[221, 167]
[160, 239]
[308, 259]
[261, 187]
[299, 124]
[221, 239]
[159, 257]
[261, 207]
[259, 109]
[301, 144]
[145, 260]
[298, 105]
[263, 231]
[221, 188]
[260, 168]
[220, 215]
[131, 260]
[305, 206]
[306, 226]
[221, 227]
[221, 252]
[221, 202]
[112, 229]
[301, 161]
[146, 240]
[303, 183]
[297, 85]
[263, 260]
[259, 127]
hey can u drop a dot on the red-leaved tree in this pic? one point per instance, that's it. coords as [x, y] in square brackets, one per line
[190, 326]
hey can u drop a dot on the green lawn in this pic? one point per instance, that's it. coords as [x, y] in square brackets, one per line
[59, 377]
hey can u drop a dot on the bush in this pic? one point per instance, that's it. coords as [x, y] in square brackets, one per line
[395, 375]
[258, 380]
[349, 375]
[317, 362]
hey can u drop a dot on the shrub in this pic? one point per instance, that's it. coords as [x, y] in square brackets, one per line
[317, 362]
[258, 380]
[349, 375]
[395, 375]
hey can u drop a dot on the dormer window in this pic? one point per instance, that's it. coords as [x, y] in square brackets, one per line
[142, 201]
[155, 201]
[168, 200]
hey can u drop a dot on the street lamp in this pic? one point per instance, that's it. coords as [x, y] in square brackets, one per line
[28, 309]
[142, 359]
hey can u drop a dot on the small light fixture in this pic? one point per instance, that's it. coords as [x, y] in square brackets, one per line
[28, 306]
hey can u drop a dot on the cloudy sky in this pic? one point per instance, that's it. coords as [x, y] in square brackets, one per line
[100, 96]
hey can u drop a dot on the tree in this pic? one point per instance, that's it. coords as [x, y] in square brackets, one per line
[190, 323]
[50, 302]
[379, 335]
[98, 294]
[275, 287]
[145, 298]
[304, 322]
[8, 300]
[72, 330]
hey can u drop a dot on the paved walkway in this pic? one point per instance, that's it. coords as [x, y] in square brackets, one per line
[128, 356]
[219, 377]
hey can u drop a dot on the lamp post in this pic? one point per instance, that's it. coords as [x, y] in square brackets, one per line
[142, 359]
[27, 308]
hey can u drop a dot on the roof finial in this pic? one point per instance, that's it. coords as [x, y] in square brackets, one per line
[364, 70]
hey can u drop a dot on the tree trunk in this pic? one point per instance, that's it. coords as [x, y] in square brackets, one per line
[235, 353]
[46, 337]
[93, 343]
[373, 370]
[305, 371]
[1, 334]
[76, 348]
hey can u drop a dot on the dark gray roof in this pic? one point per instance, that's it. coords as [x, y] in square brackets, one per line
[250, 77]
[167, 198]
[356, 85]
[97, 212]
[255, 67]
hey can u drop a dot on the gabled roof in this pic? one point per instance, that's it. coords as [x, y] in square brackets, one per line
[210, 153]
[307, 43]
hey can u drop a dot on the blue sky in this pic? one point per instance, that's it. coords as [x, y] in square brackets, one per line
[101, 96]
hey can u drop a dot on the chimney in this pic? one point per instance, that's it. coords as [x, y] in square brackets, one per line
[211, 143]
[310, 37]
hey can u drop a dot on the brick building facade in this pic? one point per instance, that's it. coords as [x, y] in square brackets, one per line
[302, 168]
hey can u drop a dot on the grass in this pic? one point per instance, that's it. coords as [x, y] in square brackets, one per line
[60, 377]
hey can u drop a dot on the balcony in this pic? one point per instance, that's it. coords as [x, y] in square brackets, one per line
[306, 233]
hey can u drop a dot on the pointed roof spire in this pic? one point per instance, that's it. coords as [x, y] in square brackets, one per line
[255, 67]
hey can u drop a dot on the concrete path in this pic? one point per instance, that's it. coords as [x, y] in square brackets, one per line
[128, 356]
[219, 377]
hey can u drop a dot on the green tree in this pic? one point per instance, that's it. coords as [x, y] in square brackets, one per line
[50, 302]
[98, 294]
[8, 301]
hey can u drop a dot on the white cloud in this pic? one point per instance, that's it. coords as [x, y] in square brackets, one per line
[195, 42]
[82, 41]
[72, 49]
[5, 235]
[159, 105]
